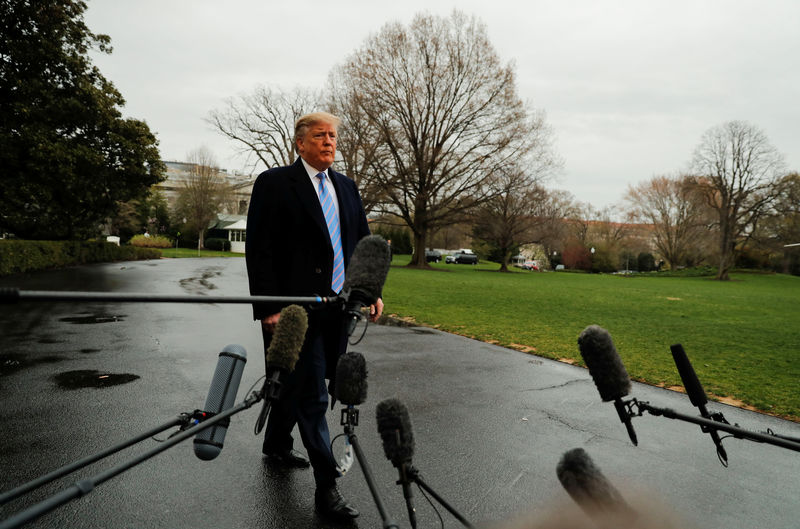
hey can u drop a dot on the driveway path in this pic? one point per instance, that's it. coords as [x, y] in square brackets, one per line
[490, 424]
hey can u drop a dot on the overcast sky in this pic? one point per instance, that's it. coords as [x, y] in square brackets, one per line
[629, 87]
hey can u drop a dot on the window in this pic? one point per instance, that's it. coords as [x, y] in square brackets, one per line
[238, 235]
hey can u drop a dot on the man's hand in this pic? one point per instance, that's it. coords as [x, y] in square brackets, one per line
[376, 310]
[270, 321]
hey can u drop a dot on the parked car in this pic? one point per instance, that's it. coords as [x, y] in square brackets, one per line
[433, 256]
[530, 265]
[462, 257]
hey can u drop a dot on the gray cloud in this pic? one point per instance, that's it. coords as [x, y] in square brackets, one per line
[628, 86]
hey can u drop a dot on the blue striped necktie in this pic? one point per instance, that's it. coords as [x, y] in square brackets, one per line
[332, 219]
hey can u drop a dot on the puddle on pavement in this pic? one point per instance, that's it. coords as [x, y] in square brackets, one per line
[418, 330]
[199, 284]
[87, 351]
[94, 318]
[48, 340]
[87, 378]
[13, 362]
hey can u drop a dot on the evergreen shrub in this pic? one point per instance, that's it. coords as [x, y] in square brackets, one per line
[218, 244]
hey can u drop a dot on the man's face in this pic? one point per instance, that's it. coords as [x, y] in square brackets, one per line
[318, 146]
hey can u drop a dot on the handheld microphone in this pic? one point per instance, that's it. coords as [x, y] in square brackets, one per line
[221, 396]
[394, 427]
[351, 379]
[590, 489]
[282, 355]
[697, 394]
[607, 370]
[365, 276]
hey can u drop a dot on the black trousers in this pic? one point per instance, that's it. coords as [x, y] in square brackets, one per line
[304, 399]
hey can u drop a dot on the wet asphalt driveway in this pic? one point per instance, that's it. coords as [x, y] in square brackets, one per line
[490, 424]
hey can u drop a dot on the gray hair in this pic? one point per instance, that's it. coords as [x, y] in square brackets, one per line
[302, 125]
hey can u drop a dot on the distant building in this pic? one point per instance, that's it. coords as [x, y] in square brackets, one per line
[178, 173]
[230, 227]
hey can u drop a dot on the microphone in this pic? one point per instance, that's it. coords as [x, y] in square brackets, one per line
[282, 355]
[697, 394]
[607, 370]
[394, 427]
[365, 276]
[590, 489]
[351, 379]
[350, 389]
[221, 396]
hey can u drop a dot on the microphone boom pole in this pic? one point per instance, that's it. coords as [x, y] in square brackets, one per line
[735, 430]
[85, 486]
[15, 295]
[76, 465]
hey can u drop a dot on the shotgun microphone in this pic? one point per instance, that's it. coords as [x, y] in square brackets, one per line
[282, 355]
[607, 370]
[221, 396]
[394, 427]
[697, 395]
[366, 274]
[590, 489]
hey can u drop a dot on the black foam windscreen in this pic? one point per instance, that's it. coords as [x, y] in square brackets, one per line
[394, 427]
[288, 338]
[351, 379]
[368, 268]
[690, 381]
[605, 366]
[587, 485]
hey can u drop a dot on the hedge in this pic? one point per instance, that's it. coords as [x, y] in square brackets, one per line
[26, 256]
[220, 245]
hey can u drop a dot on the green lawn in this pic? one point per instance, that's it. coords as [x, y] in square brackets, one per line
[742, 336]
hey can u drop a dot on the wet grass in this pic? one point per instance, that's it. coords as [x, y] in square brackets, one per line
[742, 336]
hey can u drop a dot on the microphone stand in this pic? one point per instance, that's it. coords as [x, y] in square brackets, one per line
[85, 486]
[415, 477]
[717, 422]
[349, 420]
[15, 295]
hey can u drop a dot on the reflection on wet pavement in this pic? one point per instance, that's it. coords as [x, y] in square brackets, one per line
[89, 378]
[13, 362]
[94, 318]
[197, 285]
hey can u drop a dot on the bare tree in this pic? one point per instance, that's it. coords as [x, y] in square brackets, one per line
[204, 192]
[508, 219]
[553, 211]
[738, 173]
[779, 230]
[358, 140]
[674, 209]
[447, 114]
[262, 123]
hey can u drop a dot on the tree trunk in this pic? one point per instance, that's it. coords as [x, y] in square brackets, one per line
[418, 257]
[725, 258]
[504, 262]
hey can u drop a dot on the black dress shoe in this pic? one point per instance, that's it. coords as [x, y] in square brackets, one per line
[329, 503]
[290, 458]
